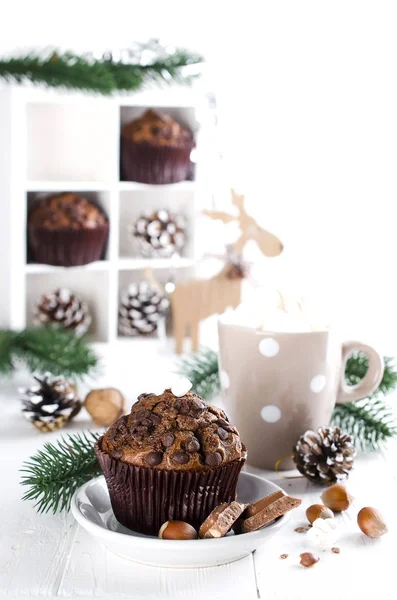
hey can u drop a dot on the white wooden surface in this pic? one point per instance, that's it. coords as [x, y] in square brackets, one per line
[50, 556]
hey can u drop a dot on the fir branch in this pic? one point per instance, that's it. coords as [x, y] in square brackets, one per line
[7, 340]
[370, 422]
[357, 366]
[46, 349]
[202, 369]
[105, 75]
[55, 473]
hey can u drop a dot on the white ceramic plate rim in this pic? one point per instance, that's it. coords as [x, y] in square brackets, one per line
[124, 539]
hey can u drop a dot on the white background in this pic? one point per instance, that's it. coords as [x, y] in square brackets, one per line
[308, 102]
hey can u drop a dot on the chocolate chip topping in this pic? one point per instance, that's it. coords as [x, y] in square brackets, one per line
[166, 432]
[168, 440]
[223, 434]
[154, 458]
[214, 459]
[193, 445]
[66, 211]
[181, 458]
[157, 128]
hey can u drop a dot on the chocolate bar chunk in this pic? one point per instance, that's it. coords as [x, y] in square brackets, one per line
[266, 510]
[221, 520]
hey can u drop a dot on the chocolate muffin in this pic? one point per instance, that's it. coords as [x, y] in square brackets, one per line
[155, 149]
[66, 230]
[171, 458]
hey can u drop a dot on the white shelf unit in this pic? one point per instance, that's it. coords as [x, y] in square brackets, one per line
[55, 142]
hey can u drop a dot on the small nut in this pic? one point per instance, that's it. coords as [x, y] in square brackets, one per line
[371, 522]
[318, 511]
[177, 530]
[337, 498]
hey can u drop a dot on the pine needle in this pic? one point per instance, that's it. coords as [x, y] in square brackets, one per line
[46, 349]
[370, 422]
[55, 473]
[202, 369]
[102, 75]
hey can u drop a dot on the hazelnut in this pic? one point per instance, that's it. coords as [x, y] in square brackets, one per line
[177, 530]
[371, 523]
[318, 511]
[337, 498]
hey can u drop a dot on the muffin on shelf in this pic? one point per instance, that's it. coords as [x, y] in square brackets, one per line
[155, 149]
[67, 230]
[172, 458]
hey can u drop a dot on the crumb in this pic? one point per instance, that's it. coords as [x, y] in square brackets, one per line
[283, 556]
[308, 559]
[335, 550]
[301, 529]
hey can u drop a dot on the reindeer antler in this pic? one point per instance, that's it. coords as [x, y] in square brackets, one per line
[238, 200]
[219, 214]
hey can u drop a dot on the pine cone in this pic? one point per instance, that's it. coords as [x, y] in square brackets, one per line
[325, 456]
[142, 308]
[64, 309]
[51, 403]
[159, 234]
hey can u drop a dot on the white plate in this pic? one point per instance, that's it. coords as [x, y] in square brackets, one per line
[92, 509]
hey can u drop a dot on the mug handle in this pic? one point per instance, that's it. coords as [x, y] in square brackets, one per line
[372, 379]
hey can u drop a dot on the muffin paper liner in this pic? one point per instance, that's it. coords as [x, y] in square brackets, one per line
[67, 247]
[147, 163]
[144, 498]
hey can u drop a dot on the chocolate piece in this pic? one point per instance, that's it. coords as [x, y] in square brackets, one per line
[335, 550]
[155, 419]
[181, 458]
[263, 503]
[301, 529]
[153, 458]
[168, 440]
[308, 559]
[192, 445]
[273, 510]
[223, 434]
[221, 520]
[283, 556]
[214, 459]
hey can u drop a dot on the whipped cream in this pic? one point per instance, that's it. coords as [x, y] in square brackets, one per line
[283, 315]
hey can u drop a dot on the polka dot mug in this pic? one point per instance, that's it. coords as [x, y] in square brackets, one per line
[275, 385]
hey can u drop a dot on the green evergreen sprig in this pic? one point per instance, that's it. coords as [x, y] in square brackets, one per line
[142, 64]
[46, 349]
[55, 473]
[202, 369]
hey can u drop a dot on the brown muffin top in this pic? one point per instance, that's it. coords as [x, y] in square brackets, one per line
[157, 128]
[170, 432]
[66, 211]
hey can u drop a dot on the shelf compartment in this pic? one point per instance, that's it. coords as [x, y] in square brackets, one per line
[71, 141]
[133, 204]
[99, 198]
[91, 286]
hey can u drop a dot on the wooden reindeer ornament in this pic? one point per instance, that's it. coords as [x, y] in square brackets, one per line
[194, 300]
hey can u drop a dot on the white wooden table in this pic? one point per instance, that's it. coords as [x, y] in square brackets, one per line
[51, 556]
